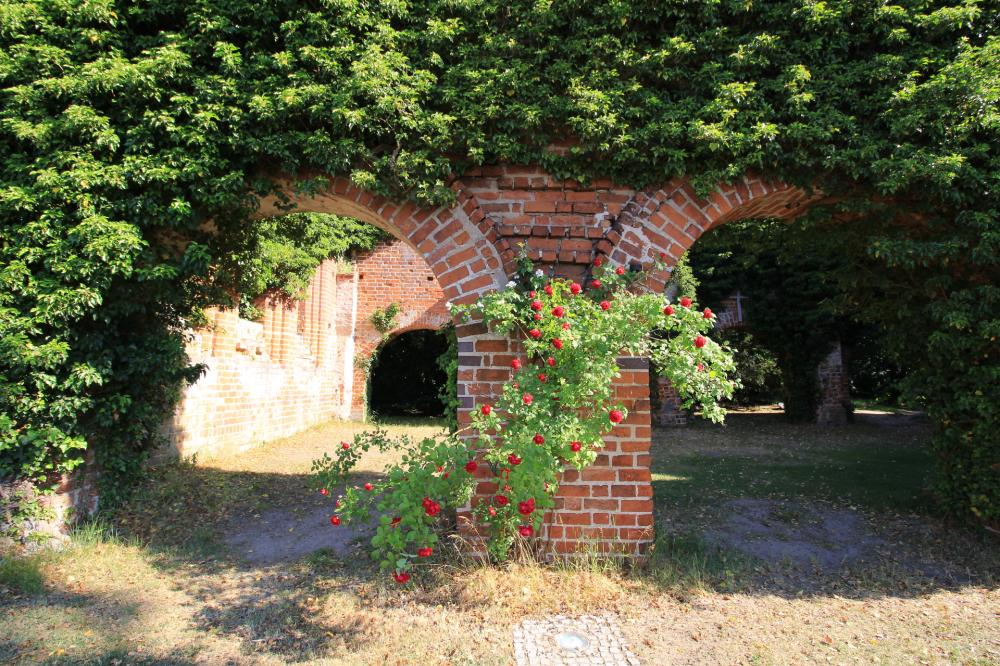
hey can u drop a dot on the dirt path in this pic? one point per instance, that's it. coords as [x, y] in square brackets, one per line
[777, 545]
[295, 521]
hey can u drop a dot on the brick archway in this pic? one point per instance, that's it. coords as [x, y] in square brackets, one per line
[472, 246]
[669, 219]
[455, 241]
[565, 225]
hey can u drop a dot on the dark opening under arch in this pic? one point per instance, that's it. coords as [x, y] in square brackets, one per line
[405, 378]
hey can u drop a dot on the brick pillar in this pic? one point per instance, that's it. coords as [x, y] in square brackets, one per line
[834, 395]
[607, 507]
[669, 411]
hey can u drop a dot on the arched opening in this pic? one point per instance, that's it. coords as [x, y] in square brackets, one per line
[294, 349]
[406, 378]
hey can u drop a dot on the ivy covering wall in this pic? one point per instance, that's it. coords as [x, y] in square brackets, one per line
[135, 137]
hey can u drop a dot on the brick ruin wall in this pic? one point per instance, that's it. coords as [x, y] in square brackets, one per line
[605, 508]
[297, 366]
[393, 273]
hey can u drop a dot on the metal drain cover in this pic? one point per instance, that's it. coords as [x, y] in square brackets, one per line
[571, 641]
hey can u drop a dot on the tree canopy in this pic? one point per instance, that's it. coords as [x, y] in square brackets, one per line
[126, 126]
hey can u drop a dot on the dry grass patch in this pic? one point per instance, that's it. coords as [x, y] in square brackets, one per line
[172, 593]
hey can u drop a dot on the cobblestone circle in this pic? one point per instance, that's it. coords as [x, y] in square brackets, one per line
[536, 642]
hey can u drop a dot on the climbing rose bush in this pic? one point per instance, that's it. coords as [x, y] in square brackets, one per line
[552, 414]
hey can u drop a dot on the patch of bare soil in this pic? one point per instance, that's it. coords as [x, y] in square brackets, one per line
[805, 536]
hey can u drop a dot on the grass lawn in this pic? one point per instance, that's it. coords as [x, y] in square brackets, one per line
[776, 544]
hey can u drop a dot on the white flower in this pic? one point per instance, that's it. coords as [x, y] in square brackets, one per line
[448, 304]
[539, 272]
[511, 284]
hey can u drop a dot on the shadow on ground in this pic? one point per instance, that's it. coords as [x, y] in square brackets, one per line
[809, 510]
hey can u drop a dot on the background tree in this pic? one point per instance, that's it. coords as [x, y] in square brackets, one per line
[786, 275]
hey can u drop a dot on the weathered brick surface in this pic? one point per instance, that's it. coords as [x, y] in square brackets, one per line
[835, 396]
[271, 378]
[604, 508]
[469, 248]
[297, 366]
[394, 273]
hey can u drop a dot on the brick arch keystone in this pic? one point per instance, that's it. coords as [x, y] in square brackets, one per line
[456, 241]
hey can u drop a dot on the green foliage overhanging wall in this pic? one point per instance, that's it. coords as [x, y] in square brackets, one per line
[283, 252]
[126, 126]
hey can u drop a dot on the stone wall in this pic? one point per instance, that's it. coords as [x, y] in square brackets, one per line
[29, 519]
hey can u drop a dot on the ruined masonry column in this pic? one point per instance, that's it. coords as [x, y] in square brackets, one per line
[607, 507]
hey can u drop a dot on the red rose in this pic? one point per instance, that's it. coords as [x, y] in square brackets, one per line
[605, 305]
[557, 343]
[575, 446]
[336, 504]
[685, 302]
[558, 311]
[663, 256]
[345, 445]
[669, 310]
[598, 261]
[514, 459]
[531, 294]
[699, 341]
[620, 271]
[395, 521]
[615, 416]
[471, 466]
[431, 507]
[551, 361]
[537, 317]
[527, 398]
[369, 487]
[538, 439]
[535, 333]
[491, 511]
[707, 314]
[324, 492]
[401, 577]
[486, 409]
[596, 284]
[565, 325]
[515, 364]
[536, 306]
[701, 366]
[424, 552]
[575, 288]
[526, 530]
[335, 520]
[526, 508]
[501, 500]
[541, 376]
[548, 289]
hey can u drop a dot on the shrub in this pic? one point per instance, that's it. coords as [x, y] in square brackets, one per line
[553, 412]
